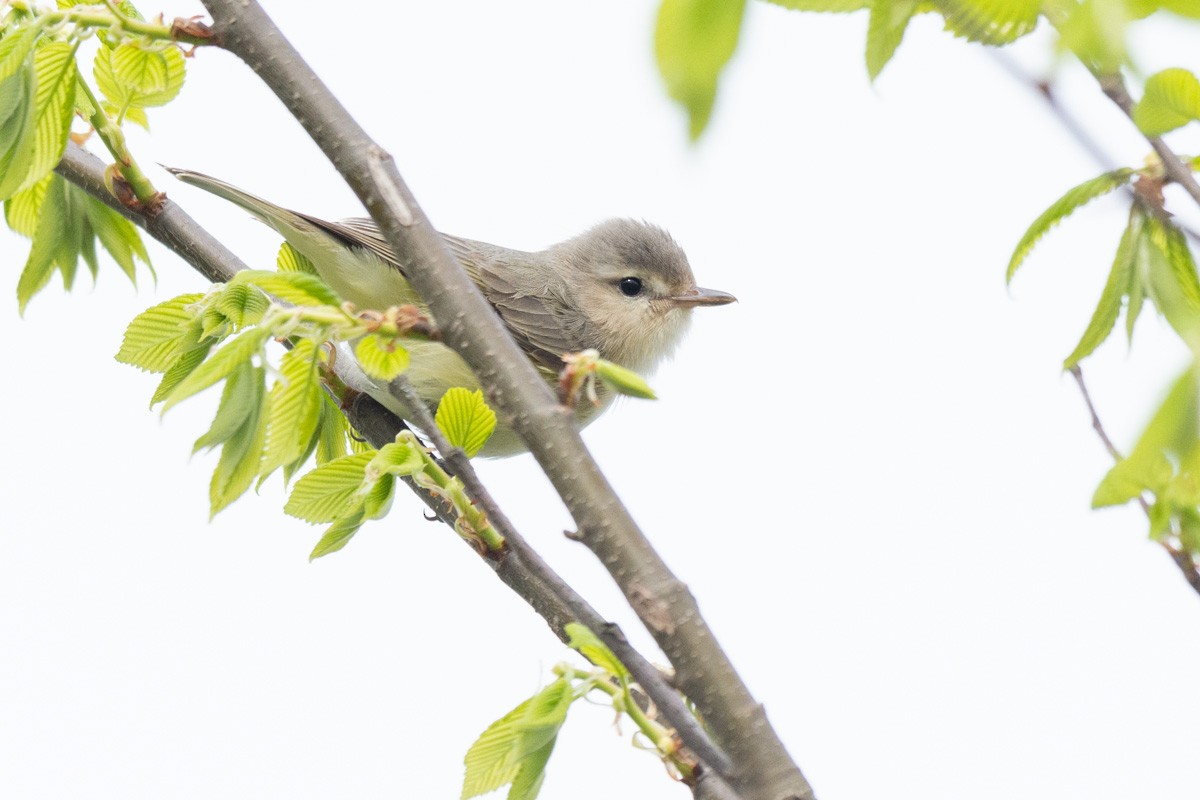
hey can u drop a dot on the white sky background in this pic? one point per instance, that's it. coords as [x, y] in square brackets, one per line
[870, 471]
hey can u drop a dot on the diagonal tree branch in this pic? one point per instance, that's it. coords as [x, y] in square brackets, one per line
[761, 768]
[520, 568]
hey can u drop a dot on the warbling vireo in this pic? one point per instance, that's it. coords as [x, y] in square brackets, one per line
[623, 288]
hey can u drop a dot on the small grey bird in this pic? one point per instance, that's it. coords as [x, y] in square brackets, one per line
[622, 288]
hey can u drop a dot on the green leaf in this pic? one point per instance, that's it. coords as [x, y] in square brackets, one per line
[396, 458]
[295, 404]
[242, 452]
[133, 76]
[1120, 278]
[520, 741]
[1171, 100]
[157, 337]
[339, 534]
[693, 40]
[885, 31]
[1173, 428]
[1128, 479]
[184, 365]
[625, 381]
[23, 210]
[581, 638]
[835, 6]
[118, 235]
[297, 288]
[18, 129]
[329, 491]
[378, 501]
[52, 236]
[465, 419]
[994, 22]
[331, 432]
[54, 106]
[292, 260]
[1171, 278]
[380, 357]
[219, 365]
[1095, 31]
[1063, 207]
[239, 400]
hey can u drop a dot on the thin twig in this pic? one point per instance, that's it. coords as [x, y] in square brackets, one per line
[1182, 558]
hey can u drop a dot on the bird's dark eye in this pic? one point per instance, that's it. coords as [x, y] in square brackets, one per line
[630, 287]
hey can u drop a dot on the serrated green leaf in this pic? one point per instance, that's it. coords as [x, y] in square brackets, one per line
[693, 40]
[543, 718]
[118, 235]
[465, 419]
[332, 432]
[1063, 207]
[295, 406]
[18, 88]
[329, 491]
[339, 534]
[155, 339]
[297, 288]
[1171, 100]
[239, 399]
[22, 211]
[625, 381]
[292, 260]
[833, 6]
[53, 234]
[219, 365]
[54, 106]
[1171, 280]
[532, 772]
[993, 22]
[133, 76]
[381, 358]
[242, 452]
[490, 761]
[242, 305]
[1137, 280]
[581, 638]
[185, 364]
[1120, 278]
[396, 458]
[885, 30]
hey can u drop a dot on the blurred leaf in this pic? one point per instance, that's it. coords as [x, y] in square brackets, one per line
[119, 236]
[466, 420]
[292, 260]
[18, 88]
[581, 638]
[625, 381]
[693, 40]
[1172, 281]
[1076, 197]
[240, 455]
[1095, 31]
[155, 338]
[1120, 278]
[885, 31]
[489, 761]
[331, 432]
[514, 748]
[339, 534]
[295, 406]
[49, 240]
[219, 365]
[22, 210]
[836, 6]
[993, 22]
[330, 490]
[238, 401]
[54, 106]
[1171, 100]
[381, 358]
[532, 772]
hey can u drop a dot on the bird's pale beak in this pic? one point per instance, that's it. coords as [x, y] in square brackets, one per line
[702, 297]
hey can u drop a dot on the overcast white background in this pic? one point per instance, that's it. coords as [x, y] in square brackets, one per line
[870, 471]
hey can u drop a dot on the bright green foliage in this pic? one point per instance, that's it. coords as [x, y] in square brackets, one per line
[625, 381]
[54, 105]
[292, 260]
[381, 357]
[297, 288]
[1123, 281]
[994, 22]
[515, 748]
[241, 453]
[329, 491]
[581, 638]
[693, 40]
[1166, 463]
[1171, 100]
[220, 365]
[885, 30]
[132, 76]
[295, 407]
[465, 419]
[1171, 280]
[18, 130]
[1076, 197]
[1094, 30]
